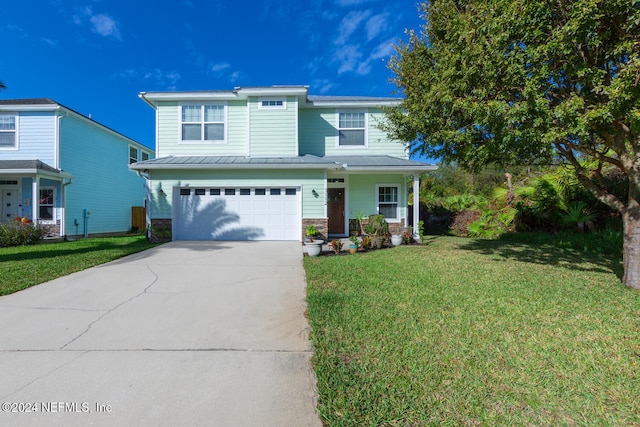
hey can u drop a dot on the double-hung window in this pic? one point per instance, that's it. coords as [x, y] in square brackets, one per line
[388, 201]
[46, 204]
[352, 130]
[203, 123]
[8, 131]
[133, 154]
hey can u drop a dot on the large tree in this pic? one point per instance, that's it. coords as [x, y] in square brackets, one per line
[508, 81]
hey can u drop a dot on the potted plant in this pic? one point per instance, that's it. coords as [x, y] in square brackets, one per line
[396, 239]
[312, 243]
[311, 233]
[366, 243]
[355, 243]
[336, 245]
[378, 228]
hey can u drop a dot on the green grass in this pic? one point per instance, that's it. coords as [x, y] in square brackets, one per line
[25, 266]
[474, 332]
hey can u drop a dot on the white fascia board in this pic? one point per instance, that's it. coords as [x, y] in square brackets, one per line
[152, 97]
[273, 91]
[353, 104]
[403, 169]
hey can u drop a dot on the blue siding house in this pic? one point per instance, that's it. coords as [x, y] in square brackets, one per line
[65, 170]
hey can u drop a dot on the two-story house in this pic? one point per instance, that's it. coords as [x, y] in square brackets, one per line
[264, 162]
[65, 170]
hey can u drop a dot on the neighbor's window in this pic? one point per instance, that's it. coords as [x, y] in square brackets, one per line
[203, 122]
[144, 156]
[46, 204]
[272, 104]
[351, 129]
[133, 154]
[388, 201]
[8, 131]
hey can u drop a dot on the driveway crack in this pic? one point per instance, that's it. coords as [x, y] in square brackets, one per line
[111, 310]
[46, 374]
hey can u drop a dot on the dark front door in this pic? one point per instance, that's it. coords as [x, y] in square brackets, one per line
[335, 210]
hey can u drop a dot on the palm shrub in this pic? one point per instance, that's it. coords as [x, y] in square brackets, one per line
[578, 216]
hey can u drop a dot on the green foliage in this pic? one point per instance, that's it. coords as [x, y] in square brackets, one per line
[24, 266]
[512, 82]
[578, 216]
[377, 225]
[17, 233]
[468, 332]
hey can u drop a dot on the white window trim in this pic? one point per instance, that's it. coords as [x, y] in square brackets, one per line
[137, 154]
[202, 122]
[398, 217]
[366, 130]
[15, 131]
[54, 210]
[272, 107]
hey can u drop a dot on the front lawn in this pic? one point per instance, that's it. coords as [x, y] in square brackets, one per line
[24, 266]
[474, 332]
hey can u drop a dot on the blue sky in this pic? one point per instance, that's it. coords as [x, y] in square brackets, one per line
[95, 56]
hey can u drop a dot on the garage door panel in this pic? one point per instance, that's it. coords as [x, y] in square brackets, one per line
[235, 216]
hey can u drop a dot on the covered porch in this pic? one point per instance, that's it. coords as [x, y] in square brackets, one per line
[34, 190]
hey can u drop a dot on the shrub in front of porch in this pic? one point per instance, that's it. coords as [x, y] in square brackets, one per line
[21, 232]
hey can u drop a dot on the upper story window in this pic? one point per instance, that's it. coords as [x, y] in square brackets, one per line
[272, 104]
[352, 129]
[388, 202]
[144, 156]
[203, 122]
[133, 154]
[8, 137]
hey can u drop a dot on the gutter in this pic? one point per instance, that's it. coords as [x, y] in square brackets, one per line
[209, 166]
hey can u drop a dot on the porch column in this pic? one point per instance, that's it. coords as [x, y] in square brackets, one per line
[416, 205]
[35, 199]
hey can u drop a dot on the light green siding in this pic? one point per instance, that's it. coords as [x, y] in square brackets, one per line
[319, 135]
[273, 131]
[169, 135]
[362, 196]
[317, 130]
[313, 203]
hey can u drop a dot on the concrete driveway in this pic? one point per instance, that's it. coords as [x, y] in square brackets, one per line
[184, 334]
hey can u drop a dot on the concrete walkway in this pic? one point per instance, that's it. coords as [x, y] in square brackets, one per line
[184, 334]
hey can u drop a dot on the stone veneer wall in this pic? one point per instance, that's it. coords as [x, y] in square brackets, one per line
[322, 224]
[160, 230]
[394, 227]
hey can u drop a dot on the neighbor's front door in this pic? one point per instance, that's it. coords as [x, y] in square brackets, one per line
[9, 204]
[335, 210]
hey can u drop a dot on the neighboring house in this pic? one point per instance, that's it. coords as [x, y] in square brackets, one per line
[64, 170]
[262, 163]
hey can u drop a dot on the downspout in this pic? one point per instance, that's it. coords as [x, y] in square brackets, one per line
[63, 219]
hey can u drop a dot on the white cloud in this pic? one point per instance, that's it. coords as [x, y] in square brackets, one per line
[219, 67]
[100, 23]
[350, 24]
[384, 49]
[322, 86]
[105, 26]
[376, 25]
[347, 57]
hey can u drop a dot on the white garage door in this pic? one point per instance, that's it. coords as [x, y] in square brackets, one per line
[236, 213]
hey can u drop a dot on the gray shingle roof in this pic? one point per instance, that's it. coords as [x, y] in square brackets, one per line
[28, 101]
[27, 165]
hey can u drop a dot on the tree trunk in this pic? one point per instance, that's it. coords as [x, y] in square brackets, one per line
[631, 247]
